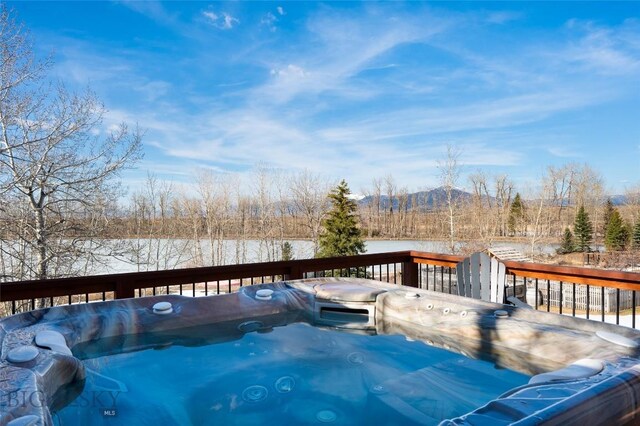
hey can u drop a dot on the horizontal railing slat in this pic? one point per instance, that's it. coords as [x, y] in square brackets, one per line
[591, 276]
[448, 260]
[127, 282]
[23, 290]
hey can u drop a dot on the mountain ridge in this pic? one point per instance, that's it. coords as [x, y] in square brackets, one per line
[432, 198]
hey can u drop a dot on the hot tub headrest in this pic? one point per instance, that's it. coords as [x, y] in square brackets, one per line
[347, 292]
[343, 289]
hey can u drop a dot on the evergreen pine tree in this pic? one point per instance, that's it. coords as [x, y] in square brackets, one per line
[606, 217]
[636, 235]
[340, 235]
[583, 230]
[567, 245]
[516, 214]
[287, 251]
[617, 235]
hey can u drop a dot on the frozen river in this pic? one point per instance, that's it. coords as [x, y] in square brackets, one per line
[171, 254]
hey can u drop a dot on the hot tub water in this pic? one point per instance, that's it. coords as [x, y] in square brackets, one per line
[296, 374]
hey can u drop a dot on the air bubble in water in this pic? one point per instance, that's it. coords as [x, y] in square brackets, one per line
[355, 358]
[285, 384]
[255, 393]
[326, 416]
[378, 389]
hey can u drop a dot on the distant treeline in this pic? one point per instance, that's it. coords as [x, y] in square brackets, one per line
[159, 225]
[282, 207]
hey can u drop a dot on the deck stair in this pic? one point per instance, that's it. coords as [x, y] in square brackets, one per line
[508, 253]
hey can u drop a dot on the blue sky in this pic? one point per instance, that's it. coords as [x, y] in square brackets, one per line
[359, 90]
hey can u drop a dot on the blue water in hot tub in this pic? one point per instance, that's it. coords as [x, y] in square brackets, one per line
[296, 374]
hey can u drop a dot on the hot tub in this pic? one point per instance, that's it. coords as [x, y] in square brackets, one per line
[318, 351]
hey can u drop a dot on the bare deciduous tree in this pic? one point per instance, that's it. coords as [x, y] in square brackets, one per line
[503, 188]
[57, 175]
[158, 218]
[482, 218]
[215, 193]
[541, 195]
[264, 213]
[449, 175]
[389, 216]
[192, 208]
[309, 192]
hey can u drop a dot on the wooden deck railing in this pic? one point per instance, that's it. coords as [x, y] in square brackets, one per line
[580, 291]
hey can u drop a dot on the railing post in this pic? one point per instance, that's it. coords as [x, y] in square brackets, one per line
[410, 273]
[295, 273]
[124, 289]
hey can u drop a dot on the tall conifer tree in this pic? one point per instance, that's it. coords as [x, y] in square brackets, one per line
[583, 230]
[516, 214]
[287, 251]
[636, 234]
[606, 217]
[341, 235]
[568, 245]
[618, 234]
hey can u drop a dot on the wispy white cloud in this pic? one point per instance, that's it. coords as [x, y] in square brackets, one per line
[222, 20]
[289, 71]
[150, 8]
[81, 66]
[564, 151]
[341, 48]
[269, 20]
[153, 90]
[604, 50]
[481, 115]
[211, 16]
[240, 138]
